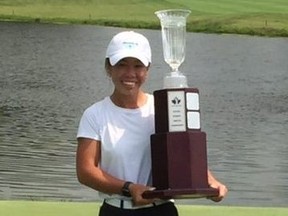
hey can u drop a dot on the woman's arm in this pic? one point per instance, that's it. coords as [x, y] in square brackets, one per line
[90, 174]
[214, 183]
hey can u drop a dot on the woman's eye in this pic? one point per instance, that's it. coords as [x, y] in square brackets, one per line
[121, 64]
[139, 65]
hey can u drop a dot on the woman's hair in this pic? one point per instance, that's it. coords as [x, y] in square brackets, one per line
[107, 65]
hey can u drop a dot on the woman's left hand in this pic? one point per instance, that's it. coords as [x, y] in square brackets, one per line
[222, 191]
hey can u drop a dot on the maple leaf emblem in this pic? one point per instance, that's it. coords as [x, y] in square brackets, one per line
[176, 100]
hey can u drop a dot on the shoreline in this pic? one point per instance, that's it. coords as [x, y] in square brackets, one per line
[265, 19]
[261, 32]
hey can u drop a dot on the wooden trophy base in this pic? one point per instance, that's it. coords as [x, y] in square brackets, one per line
[179, 166]
[181, 193]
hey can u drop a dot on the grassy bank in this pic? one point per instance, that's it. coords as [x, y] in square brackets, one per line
[33, 208]
[257, 17]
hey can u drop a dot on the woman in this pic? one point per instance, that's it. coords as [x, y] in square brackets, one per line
[113, 155]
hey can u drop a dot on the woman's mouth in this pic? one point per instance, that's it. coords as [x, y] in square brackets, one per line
[129, 83]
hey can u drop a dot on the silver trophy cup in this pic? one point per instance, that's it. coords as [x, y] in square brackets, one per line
[173, 28]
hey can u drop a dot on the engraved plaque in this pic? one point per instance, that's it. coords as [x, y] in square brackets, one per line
[176, 111]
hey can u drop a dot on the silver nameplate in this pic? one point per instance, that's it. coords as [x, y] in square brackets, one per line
[176, 111]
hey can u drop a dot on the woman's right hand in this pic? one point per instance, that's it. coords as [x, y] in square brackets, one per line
[136, 191]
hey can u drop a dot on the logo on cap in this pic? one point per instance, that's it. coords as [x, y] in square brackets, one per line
[130, 45]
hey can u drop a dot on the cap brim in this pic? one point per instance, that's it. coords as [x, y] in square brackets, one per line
[117, 57]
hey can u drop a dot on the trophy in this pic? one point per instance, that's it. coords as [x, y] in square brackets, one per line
[178, 147]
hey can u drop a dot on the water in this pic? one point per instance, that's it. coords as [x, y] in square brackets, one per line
[49, 74]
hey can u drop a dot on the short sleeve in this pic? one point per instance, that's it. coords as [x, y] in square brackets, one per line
[88, 126]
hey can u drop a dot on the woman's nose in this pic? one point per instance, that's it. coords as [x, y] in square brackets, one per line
[131, 70]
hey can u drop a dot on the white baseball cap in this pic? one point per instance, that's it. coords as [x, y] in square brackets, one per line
[129, 44]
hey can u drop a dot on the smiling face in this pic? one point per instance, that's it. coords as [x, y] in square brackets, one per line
[128, 75]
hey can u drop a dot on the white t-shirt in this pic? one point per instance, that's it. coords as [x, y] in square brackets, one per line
[125, 138]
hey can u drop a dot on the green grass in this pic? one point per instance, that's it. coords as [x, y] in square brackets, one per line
[36, 208]
[257, 17]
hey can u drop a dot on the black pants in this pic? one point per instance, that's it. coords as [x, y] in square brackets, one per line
[166, 209]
